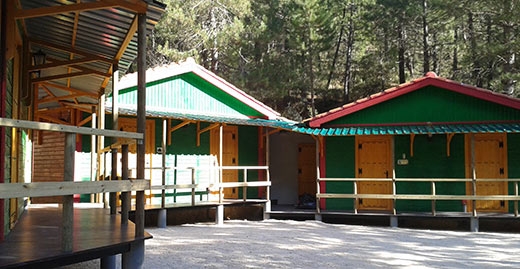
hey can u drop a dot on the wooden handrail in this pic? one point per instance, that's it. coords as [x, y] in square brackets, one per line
[43, 189]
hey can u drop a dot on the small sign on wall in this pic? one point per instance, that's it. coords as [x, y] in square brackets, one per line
[402, 161]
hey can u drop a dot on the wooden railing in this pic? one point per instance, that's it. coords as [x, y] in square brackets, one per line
[433, 196]
[68, 187]
[215, 186]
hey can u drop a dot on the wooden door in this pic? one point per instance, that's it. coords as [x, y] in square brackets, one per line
[306, 169]
[374, 160]
[229, 156]
[490, 162]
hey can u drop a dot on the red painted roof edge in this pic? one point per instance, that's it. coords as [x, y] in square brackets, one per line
[402, 89]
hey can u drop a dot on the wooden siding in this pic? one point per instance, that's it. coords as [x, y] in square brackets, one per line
[430, 104]
[48, 161]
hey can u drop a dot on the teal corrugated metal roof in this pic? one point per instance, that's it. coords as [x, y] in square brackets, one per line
[278, 123]
[411, 129]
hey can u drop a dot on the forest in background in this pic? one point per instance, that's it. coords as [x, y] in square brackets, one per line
[304, 57]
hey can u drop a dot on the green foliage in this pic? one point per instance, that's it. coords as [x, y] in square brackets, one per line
[301, 55]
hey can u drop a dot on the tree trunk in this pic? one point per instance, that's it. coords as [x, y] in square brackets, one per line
[455, 63]
[426, 45]
[348, 61]
[336, 53]
[401, 58]
[473, 51]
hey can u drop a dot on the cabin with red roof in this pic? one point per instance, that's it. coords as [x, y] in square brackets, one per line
[430, 145]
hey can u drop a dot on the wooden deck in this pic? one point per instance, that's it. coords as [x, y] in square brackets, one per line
[36, 240]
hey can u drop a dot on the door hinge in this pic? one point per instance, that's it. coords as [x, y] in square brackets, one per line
[360, 201]
[360, 146]
[360, 171]
[299, 170]
[233, 136]
[501, 144]
[501, 171]
[502, 203]
[299, 149]
[234, 160]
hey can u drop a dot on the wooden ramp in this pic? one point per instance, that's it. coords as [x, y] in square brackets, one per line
[36, 240]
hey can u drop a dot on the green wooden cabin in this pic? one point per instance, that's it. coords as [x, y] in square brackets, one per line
[188, 105]
[428, 128]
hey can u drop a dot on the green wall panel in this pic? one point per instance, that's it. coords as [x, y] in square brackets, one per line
[248, 156]
[513, 163]
[341, 163]
[430, 104]
[430, 160]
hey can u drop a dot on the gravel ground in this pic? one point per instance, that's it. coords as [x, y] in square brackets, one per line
[312, 244]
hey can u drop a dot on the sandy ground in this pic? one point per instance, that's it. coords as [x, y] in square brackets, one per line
[312, 244]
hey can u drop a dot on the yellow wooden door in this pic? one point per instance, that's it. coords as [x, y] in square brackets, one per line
[306, 169]
[374, 160]
[491, 163]
[229, 156]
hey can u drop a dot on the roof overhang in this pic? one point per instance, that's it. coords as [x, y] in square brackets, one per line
[427, 129]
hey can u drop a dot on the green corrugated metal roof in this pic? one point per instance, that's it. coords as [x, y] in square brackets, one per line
[412, 129]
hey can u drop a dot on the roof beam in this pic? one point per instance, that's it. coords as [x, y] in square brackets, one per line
[62, 63]
[68, 89]
[72, 50]
[63, 76]
[59, 98]
[135, 6]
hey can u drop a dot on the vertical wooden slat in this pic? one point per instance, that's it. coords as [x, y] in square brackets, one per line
[68, 200]
[93, 152]
[125, 196]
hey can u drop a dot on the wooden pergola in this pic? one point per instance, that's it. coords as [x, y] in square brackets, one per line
[84, 46]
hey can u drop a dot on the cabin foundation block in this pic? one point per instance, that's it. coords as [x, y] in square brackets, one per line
[161, 218]
[474, 224]
[108, 262]
[219, 218]
[393, 222]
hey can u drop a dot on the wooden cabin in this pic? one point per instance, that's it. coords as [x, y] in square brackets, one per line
[429, 145]
[58, 60]
[196, 124]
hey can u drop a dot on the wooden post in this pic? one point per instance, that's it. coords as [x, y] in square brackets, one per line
[516, 201]
[434, 212]
[125, 196]
[163, 181]
[112, 197]
[193, 188]
[112, 200]
[317, 216]
[135, 257]
[141, 120]
[356, 201]
[101, 169]
[68, 200]
[244, 190]
[220, 149]
[93, 153]
[267, 206]
[473, 176]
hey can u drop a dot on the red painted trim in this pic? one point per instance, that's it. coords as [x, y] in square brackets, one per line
[323, 165]
[420, 123]
[402, 89]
